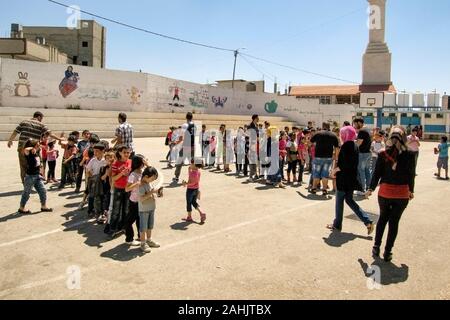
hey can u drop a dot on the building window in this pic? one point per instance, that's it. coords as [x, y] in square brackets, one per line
[84, 63]
[359, 114]
[85, 44]
[440, 116]
[392, 115]
[427, 115]
[416, 115]
[75, 59]
[325, 100]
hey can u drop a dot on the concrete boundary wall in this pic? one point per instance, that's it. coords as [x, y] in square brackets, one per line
[37, 85]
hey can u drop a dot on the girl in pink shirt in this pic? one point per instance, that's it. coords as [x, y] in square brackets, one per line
[192, 192]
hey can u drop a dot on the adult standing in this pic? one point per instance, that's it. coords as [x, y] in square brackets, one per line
[29, 129]
[346, 173]
[187, 139]
[395, 173]
[125, 133]
[326, 143]
[365, 156]
[414, 145]
[253, 133]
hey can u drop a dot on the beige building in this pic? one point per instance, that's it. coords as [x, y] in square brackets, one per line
[85, 45]
[242, 85]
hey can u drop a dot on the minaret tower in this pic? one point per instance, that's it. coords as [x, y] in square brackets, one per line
[377, 59]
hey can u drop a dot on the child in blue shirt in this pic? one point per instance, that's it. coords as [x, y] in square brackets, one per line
[442, 150]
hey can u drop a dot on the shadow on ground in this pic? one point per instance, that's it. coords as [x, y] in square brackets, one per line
[123, 252]
[315, 197]
[338, 239]
[385, 273]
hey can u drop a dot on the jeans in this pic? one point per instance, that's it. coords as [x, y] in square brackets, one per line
[79, 171]
[347, 196]
[66, 173]
[51, 170]
[321, 168]
[301, 170]
[30, 182]
[191, 199]
[391, 211]
[416, 158]
[120, 210]
[364, 174]
[133, 216]
[147, 220]
[374, 164]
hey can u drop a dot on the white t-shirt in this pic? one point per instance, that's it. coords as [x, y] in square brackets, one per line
[95, 165]
[376, 148]
[134, 178]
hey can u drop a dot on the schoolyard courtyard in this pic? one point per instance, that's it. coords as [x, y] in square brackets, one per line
[258, 243]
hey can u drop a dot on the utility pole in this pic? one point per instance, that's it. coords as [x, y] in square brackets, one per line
[236, 52]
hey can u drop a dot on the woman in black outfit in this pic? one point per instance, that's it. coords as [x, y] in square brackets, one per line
[346, 173]
[395, 173]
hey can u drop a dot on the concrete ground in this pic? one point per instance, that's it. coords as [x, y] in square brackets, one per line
[258, 243]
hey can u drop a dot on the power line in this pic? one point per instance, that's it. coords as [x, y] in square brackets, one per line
[298, 69]
[143, 30]
[271, 77]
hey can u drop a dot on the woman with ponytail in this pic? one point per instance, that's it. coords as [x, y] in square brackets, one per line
[394, 172]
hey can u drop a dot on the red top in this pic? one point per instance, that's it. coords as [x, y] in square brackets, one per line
[44, 148]
[118, 167]
[194, 179]
[391, 191]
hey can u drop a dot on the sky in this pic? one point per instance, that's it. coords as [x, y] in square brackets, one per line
[322, 36]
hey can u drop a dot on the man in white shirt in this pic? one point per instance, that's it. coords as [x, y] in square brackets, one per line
[414, 145]
[187, 139]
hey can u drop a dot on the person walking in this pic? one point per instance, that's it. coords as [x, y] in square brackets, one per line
[187, 139]
[346, 173]
[395, 174]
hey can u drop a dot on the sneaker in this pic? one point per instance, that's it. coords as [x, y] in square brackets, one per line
[133, 243]
[376, 252]
[153, 244]
[145, 248]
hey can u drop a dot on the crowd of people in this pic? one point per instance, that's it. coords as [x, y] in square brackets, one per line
[122, 187]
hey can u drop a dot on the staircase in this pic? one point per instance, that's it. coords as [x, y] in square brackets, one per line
[103, 123]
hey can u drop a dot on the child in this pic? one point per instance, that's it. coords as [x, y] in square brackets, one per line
[134, 181]
[292, 155]
[302, 156]
[70, 150]
[192, 192]
[283, 153]
[147, 207]
[82, 145]
[377, 146]
[52, 155]
[105, 173]
[95, 186]
[442, 150]
[169, 142]
[121, 169]
[44, 148]
[32, 178]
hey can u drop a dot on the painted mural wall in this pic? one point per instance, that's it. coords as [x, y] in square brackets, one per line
[46, 85]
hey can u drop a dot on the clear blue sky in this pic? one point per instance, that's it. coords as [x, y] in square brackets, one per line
[323, 36]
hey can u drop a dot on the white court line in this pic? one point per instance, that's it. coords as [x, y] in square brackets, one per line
[164, 248]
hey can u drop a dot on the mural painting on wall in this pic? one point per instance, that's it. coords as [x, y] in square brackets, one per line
[22, 86]
[135, 95]
[271, 107]
[70, 82]
[99, 94]
[243, 106]
[219, 101]
[200, 98]
[176, 92]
